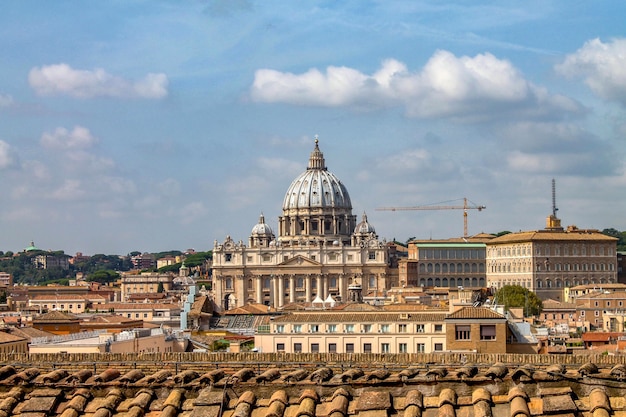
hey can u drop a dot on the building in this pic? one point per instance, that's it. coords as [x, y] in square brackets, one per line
[136, 340]
[145, 282]
[449, 263]
[477, 329]
[6, 280]
[12, 343]
[592, 308]
[549, 260]
[50, 260]
[57, 322]
[143, 261]
[155, 313]
[320, 249]
[355, 328]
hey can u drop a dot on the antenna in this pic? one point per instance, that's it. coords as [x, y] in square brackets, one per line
[554, 208]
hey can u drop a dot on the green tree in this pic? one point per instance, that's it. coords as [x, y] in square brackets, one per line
[103, 276]
[517, 296]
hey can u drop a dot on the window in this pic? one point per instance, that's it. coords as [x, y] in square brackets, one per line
[419, 328]
[402, 328]
[349, 347]
[384, 348]
[372, 255]
[297, 328]
[280, 328]
[228, 257]
[332, 348]
[438, 347]
[384, 328]
[297, 347]
[367, 328]
[367, 348]
[229, 283]
[488, 332]
[280, 347]
[462, 332]
[439, 327]
[421, 347]
[349, 328]
[403, 348]
[332, 328]
[315, 347]
[315, 328]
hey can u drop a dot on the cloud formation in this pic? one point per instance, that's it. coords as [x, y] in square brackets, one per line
[7, 155]
[61, 79]
[479, 87]
[5, 100]
[602, 66]
[79, 138]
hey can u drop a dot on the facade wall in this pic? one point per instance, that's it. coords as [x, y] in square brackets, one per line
[145, 283]
[448, 265]
[459, 339]
[546, 262]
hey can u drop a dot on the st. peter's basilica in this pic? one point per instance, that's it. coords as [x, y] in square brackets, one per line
[319, 253]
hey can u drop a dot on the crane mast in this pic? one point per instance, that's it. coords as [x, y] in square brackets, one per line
[465, 207]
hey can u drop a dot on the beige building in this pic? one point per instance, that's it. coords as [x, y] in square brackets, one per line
[72, 303]
[145, 283]
[549, 260]
[319, 251]
[157, 313]
[355, 328]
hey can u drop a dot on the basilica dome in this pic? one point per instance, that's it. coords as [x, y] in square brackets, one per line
[317, 187]
[262, 228]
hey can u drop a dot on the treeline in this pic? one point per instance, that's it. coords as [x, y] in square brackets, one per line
[99, 267]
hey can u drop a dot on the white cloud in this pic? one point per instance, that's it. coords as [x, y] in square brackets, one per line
[5, 100]
[78, 138]
[601, 65]
[478, 87]
[63, 79]
[70, 190]
[8, 157]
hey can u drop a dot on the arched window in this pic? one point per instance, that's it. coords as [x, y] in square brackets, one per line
[538, 283]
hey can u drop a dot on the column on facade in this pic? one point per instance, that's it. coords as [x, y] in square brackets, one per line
[292, 288]
[259, 289]
[342, 286]
[325, 281]
[274, 291]
[281, 290]
[319, 288]
[307, 288]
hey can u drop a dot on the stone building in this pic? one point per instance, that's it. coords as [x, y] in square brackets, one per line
[448, 263]
[549, 260]
[320, 249]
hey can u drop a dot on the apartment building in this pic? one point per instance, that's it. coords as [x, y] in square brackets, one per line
[354, 328]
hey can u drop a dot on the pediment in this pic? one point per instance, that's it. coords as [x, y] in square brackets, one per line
[300, 260]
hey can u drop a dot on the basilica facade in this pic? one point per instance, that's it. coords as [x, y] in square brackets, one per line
[321, 249]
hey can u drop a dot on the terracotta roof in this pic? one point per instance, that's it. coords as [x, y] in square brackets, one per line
[475, 313]
[140, 306]
[601, 336]
[551, 304]
[374, 317]
[552, 235]
[196, 389]
[6, 337]
[56, 316]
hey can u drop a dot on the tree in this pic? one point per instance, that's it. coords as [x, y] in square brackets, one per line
[517, 296]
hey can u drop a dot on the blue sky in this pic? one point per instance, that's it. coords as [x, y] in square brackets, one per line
[158, 125]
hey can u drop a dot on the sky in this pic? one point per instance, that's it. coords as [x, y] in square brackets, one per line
[163, 125]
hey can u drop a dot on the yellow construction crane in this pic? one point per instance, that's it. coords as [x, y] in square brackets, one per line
[464, 207]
